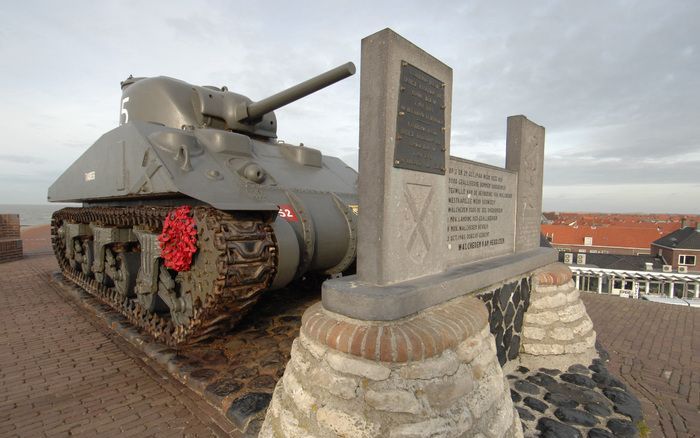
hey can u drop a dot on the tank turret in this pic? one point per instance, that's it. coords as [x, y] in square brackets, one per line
[177, 104]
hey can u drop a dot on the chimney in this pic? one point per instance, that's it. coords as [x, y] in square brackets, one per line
[684, 222]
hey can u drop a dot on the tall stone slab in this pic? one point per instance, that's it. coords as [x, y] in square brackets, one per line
[525, 155]
[432, 227]
[405, 114]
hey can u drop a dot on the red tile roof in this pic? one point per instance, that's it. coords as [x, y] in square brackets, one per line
[625, 236]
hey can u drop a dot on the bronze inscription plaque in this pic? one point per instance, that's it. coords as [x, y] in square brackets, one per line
[420, 122]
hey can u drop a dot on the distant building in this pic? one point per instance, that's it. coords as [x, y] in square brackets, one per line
[680, 249]
[624, 234]
[672, 269]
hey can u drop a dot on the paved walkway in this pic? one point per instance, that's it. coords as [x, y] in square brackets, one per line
[655, 349]
[62, 373]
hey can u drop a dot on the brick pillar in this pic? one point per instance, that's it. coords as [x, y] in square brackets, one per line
[10, 242]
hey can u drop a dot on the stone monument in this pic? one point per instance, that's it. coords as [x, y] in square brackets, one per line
[414, 343]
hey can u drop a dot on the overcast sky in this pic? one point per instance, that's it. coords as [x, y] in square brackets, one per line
[615, 83]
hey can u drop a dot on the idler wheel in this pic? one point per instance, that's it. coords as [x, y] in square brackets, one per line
[122, 267]
[152, 303]
[87, 255]
[180, 304]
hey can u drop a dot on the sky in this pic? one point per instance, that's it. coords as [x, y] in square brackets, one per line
[615, 83]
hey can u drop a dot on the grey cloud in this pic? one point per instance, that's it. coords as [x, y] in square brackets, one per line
[22, 159]
[618, 171]
[614, 83]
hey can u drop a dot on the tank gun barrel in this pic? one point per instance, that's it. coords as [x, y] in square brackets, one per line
[258, 109]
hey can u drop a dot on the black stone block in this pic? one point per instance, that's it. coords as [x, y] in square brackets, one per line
[535, 404]
[550, 371]
[499, 337]
[518, 320]
[507, 336]
[505, 294]
[599, 433]
[578, 379]
[224, 387]
[575, 416]
[622, 428]
[624, 403]
[525, 414]
[578, 368]
[527, 387]
[509, 314]
[203, 374]
[515, 396]
[501, 355]
[496, 299]
[598, 368]
[515, 299]
[598, 409]
[514, 349]
[560, 400]
[542, 380]
[554, 429]
[496, 320]
[247, 406]
[525, 292]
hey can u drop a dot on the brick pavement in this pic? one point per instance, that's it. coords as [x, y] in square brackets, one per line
[655, 349]
[63, 373]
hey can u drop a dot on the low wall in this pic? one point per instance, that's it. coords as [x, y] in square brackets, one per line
[10, 242]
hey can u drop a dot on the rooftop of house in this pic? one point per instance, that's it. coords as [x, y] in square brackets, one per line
[612, 230]
[684, 238]
[603, 219]
[621, 262]
[609, 236]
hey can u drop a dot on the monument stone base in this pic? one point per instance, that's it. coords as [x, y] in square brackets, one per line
[434, 373]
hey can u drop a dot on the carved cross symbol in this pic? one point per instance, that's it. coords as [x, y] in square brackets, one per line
[418, 197]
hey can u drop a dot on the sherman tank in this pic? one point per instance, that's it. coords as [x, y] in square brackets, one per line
[191, 207]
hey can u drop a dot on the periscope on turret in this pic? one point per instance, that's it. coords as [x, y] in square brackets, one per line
[191, 207]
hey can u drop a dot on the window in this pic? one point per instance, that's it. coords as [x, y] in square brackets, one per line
[686, 260]
[588, 241]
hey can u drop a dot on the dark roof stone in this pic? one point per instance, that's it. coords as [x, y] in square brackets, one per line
[684, 238]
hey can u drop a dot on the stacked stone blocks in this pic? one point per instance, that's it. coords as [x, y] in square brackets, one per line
[556, 324]
[10, 242]
[435, 373]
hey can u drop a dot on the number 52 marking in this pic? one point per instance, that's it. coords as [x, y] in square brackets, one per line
[286, 212]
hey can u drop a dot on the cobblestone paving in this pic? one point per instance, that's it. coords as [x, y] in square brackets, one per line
[62, 373]
[583, 401]
[655, 349]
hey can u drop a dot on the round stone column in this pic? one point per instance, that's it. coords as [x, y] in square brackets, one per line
[432, 373]
[557, 331]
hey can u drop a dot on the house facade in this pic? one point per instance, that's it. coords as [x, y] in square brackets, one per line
[680, 249]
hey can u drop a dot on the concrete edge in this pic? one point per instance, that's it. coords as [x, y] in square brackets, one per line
[350, 297]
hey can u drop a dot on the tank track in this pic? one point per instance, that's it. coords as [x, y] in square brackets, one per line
[242, 256]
